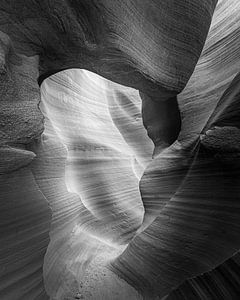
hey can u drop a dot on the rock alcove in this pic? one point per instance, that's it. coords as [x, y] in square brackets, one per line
[123, 181]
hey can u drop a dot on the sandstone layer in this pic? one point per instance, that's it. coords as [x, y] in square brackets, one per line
[119, 149]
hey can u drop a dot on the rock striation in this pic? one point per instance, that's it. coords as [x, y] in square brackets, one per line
[119, 149]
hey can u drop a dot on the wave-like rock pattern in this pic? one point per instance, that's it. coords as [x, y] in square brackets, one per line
[152, 46]
[95, 147]
[87, 164]
[82, 146]
[185, 232]
[213, 74]
[220, 283]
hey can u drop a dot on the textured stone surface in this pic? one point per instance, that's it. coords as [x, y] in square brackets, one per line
[24, 213]
[105, 211]
[150, 46]
[92, 208]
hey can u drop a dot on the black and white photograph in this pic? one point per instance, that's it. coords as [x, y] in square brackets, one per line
[120, 149]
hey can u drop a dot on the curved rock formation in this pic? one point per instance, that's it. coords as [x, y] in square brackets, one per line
[25, 216]
[132, 189]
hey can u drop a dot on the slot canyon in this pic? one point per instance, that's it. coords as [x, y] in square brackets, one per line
[119, 149]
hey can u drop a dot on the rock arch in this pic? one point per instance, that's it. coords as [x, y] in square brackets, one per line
[190, 190]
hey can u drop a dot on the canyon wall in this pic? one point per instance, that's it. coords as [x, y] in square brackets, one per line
[119, 175]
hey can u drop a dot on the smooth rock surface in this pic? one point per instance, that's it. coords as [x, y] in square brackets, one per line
[132, 190]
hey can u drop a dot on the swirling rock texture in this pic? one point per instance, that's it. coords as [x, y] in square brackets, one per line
[131, 188]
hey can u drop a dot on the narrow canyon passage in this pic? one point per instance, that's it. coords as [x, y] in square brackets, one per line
[119, 150]
[101, 172]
